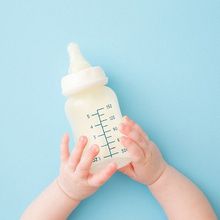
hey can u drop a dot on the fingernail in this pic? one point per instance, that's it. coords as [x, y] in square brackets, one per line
[82, 138]
[124, 118]
[125, 128]
[95, 148]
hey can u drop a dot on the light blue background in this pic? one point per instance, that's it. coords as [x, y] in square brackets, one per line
[162, 59]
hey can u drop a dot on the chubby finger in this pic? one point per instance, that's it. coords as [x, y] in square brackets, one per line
[77, 152]
[130, 122]
[64, 148]
[134, 134]
[101, 177]
[85, 163]
[135, 151]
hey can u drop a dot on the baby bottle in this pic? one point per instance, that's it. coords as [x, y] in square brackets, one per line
[93, 110]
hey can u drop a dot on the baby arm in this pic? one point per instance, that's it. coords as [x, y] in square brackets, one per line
[177, 195]
[74, 183]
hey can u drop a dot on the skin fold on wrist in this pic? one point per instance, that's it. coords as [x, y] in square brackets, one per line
[163, 171]
[61, 188]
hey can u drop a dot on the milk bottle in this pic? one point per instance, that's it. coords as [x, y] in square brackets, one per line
[93, 110]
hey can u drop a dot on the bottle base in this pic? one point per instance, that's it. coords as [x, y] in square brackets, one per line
[120, 161]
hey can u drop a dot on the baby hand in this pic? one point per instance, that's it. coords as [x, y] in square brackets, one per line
[75, 179]
[147, 162]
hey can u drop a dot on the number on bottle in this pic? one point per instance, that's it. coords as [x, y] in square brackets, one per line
[109, 106]
[112, 117]
[96, 159]
[123, 150]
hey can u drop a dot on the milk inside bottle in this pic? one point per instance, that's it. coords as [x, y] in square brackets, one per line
[93, 110]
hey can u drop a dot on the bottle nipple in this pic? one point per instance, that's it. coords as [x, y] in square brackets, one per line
[77, 61]
[81, 74]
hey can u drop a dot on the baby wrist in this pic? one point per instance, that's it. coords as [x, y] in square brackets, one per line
[164, 167]
[62, 189]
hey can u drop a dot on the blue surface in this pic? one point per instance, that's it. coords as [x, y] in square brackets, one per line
[162, 59]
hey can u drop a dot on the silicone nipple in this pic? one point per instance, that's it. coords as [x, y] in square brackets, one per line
[77, 61]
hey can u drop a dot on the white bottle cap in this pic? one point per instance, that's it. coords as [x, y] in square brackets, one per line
[81, 74]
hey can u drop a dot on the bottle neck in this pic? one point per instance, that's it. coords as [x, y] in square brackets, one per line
[88, 90]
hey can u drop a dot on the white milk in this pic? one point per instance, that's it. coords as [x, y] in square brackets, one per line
[93, 110]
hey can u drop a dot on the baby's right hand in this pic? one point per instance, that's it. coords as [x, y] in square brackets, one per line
[75, 179]
[147, 162]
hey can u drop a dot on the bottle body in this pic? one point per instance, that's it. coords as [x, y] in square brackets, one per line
[95, 112]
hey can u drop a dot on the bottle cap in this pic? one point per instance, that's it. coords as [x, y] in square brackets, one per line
[81, 75]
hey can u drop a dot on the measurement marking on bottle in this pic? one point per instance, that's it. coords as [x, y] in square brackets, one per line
[100, 135]
[103, 120]
[104, 132]
[99, 109]
[111, 155]
[94, 114]
[110, 142]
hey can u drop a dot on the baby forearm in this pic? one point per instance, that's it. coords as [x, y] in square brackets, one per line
[52, 203]
[180, 198]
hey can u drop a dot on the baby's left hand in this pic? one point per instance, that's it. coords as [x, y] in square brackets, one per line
[75, 179]
[147, 163]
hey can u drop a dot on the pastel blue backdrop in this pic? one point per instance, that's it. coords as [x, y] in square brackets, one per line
[162, 59]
